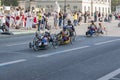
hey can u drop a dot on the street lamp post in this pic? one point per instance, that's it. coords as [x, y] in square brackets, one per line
[65, 6]
[91, 7]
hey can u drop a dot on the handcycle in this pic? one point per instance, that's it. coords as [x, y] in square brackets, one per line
[58, 40]
[40, 42]
[96, 32]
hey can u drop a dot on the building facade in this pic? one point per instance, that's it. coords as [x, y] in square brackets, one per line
[103, 6]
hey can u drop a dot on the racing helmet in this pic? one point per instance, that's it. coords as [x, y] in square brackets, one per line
[64, 28]
[69, 21]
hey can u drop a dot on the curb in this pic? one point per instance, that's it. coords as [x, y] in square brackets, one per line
[3, 36]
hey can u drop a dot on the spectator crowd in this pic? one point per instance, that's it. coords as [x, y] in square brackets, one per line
[18, 18]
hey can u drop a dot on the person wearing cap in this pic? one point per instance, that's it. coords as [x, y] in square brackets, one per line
[70, 27]
[92, 28]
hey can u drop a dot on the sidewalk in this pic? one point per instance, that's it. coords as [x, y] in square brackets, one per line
[17, 32]
[22, 31]
[112, 29]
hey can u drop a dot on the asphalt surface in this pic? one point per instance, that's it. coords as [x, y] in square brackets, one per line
[88, 58]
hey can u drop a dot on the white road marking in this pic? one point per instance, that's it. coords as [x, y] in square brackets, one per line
[21, 43]
[110, 75]
[12, 62]
[100, 43]
[80, 39]
[54, 53]
[115, 78]
[15, 44]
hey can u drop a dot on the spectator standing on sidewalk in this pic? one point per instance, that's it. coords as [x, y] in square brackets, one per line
[79, 17]
[95, 16]
[64, 18]
[89, 17]
[43, 22]
[17, 18]
[56, 19]
[85, 17]
[39, 20]
[116, 16]
[29, 21]
[7, 20]
[75, 19]
[60, 19]
[22, 19]
[34, 20]
[106, 18]
[99, 16]
[110, 17]
[12, 20]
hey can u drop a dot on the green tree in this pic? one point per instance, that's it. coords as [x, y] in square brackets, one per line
[10, 2]
[114, 3]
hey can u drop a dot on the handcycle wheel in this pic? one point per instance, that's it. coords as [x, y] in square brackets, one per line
[55, 41]
[30, 45]
[71, 40]
[74, 36]
[55, 44]
[35, 47]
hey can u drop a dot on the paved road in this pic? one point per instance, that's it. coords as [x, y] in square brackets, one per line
[86, 59]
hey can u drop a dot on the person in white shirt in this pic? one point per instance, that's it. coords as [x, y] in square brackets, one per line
[29, 21]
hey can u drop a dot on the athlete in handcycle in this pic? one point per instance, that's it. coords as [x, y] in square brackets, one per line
[41, 41]
[71, 29]
[63, 37]
[92, 29]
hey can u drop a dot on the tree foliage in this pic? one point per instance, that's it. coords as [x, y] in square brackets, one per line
[114, 3]
[10, 2]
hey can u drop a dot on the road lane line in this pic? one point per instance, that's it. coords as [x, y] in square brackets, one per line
[79, 39]
[15, 44]
[59, 52]
[115, 78]
[12, 62]
[110, 75]
[21, 43]
[100, 43]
